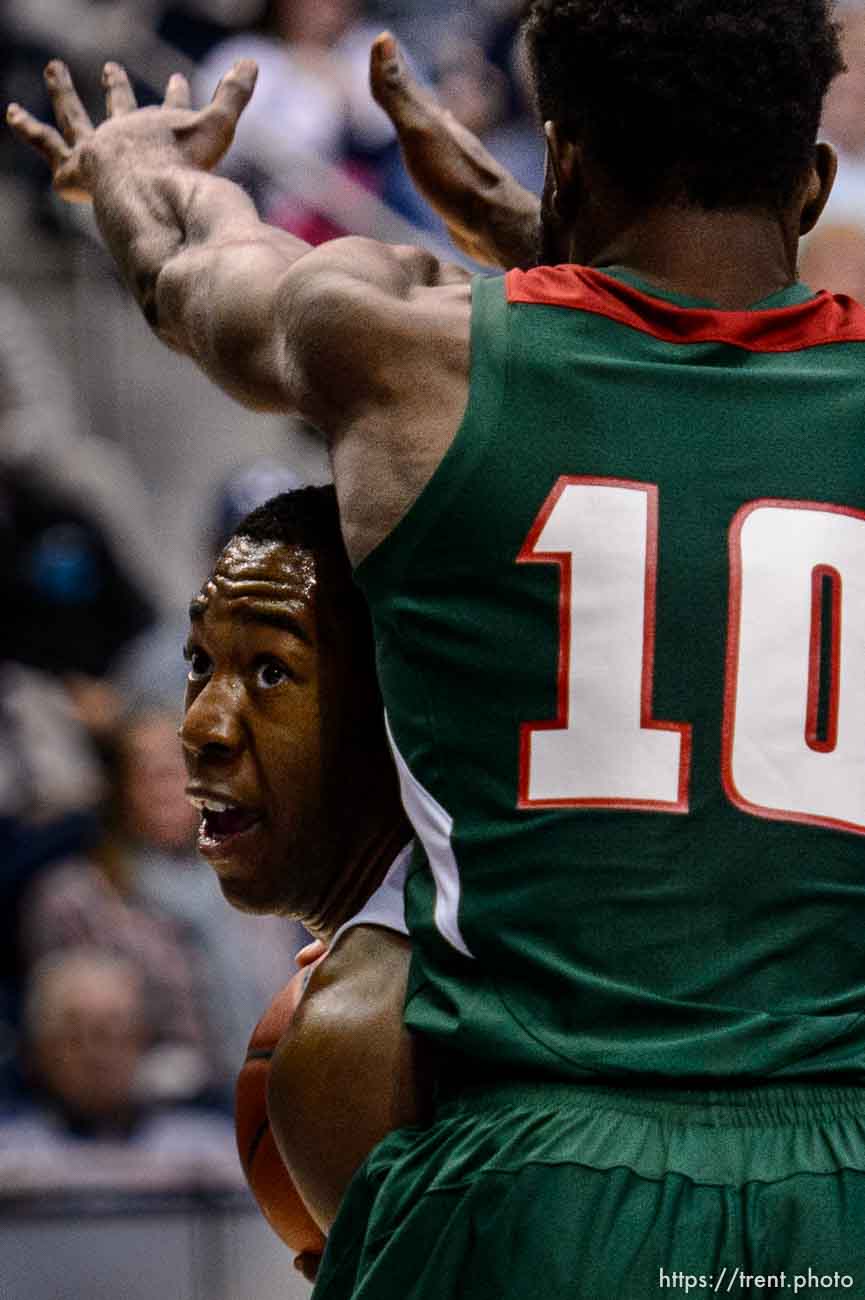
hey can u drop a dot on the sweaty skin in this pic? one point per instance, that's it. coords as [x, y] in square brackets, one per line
[369, 342]
[295, 817]
[251, 733]
[489, 215]
[347, 1042]
[301, 815]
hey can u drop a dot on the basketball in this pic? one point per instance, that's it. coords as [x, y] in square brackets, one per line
[268, 1178]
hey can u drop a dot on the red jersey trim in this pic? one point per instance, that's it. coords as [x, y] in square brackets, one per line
[823, 319]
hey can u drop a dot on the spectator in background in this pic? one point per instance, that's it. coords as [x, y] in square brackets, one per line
[312, 102]
[834, 259]
[69, 606]
[86, 1041]
[51, 785]
[75, 562]
[844, 122]
[470, 86]
[144, 893]
[514, 140]
[152, 37]
[89, 900]
[48, 462]
[195, 26]
[87, 32]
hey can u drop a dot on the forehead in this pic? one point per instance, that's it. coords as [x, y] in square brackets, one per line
[260, 581]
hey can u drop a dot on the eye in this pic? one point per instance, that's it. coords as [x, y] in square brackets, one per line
[199, 663]
[270, 672]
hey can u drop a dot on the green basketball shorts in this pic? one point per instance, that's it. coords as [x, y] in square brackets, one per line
[564, 1192]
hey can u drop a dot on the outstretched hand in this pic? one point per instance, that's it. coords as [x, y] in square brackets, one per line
[80, 154]
[489, 215]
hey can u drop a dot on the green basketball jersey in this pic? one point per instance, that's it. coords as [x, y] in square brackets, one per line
[621, 641]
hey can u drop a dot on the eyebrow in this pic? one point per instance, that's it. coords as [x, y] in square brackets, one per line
[271, 617]
[280, 618]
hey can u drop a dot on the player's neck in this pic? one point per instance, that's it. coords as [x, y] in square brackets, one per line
[730, 258]
[369, 862]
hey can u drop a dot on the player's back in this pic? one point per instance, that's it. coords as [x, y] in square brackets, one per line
[621, 639]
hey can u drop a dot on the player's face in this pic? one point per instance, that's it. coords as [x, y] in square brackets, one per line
[252, 732]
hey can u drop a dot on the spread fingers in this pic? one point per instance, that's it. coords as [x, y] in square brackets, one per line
[50, 143]
[177, 94]
[70, 113]
[119, 95]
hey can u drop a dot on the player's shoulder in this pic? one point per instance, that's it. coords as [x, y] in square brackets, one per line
[353, 996]
[382, 279]
[369, 320]
[363, 977]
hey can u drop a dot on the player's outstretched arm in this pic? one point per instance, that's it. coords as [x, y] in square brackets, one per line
[213, 280]
[489, 215]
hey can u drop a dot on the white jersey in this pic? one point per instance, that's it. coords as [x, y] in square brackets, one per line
[386, 907]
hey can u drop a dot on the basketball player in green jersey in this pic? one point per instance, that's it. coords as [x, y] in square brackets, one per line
[607, 514]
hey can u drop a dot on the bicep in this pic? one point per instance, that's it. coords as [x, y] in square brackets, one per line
[340, 1080]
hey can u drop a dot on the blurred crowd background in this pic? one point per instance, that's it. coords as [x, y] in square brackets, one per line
[128, 988]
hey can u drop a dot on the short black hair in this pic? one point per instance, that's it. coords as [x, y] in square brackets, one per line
[309, 517]
[709, 103]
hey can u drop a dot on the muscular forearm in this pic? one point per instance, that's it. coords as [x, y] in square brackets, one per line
[219, 285]
[268, 319]
[204, 270]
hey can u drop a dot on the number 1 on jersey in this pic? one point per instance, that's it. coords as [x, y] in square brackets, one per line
[604, 749]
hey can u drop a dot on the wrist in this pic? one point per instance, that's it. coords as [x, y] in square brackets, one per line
[510, 226]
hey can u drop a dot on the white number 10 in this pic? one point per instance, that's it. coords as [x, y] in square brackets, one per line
[796, 637]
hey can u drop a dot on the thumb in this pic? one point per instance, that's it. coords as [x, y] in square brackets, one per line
[389, 79]
[235, 89]
[212, 129]
[232, 95]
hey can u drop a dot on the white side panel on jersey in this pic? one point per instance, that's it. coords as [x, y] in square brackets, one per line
[602, 750]
[434, 828]
[773, 768]
[386, 906]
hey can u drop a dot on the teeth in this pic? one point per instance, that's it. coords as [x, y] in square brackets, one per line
[211, 805]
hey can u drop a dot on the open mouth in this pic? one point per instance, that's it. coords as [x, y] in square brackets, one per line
[221, 822]
[219, 826]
